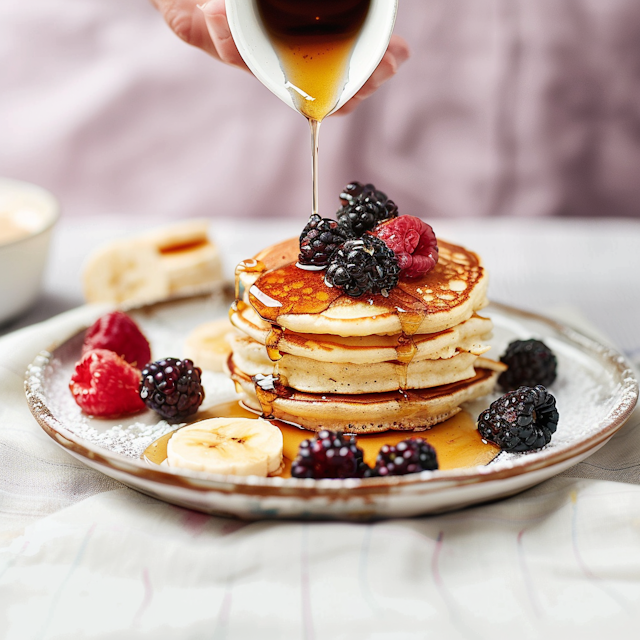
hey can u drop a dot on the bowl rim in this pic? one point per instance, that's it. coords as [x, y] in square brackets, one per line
[53, 214]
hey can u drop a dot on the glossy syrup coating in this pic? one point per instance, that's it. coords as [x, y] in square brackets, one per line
[288, 289]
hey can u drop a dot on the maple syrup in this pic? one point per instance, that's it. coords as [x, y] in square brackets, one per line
[288, 289]
[266, 393]
[457, 442]
[273, 339]
[313, 40]
[246, 266]
[406, 349]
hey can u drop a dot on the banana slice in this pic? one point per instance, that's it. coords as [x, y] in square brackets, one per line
[160, 264]
[238, 446]
[207, 344]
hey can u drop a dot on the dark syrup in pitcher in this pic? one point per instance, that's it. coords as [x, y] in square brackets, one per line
[313, 40]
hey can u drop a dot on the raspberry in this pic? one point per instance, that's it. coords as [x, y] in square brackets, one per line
[409, 456]
[117, 332]
[105, 385]
[329, 455]
[319, 239]
[172, 387]
[413, 242]
[361, 266]
[530, 363]
[520, 420]
[363, 207]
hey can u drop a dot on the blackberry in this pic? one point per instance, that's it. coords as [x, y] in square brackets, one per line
[319, 239]
[329, 454]
[409, 456]
[172, 387]
[363, 207]
[363, 265]
[520, 420]
[354, 190]
[530, 363]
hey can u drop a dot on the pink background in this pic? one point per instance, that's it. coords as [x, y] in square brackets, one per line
[507, 107]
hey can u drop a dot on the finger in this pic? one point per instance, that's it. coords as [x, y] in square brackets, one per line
[397, 53]
[215, 17]
[187, 22]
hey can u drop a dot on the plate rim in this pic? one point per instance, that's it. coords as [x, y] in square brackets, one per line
[426, 481]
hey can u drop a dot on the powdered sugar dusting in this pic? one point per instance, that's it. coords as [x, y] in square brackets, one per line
[593, 385]
[166, 328]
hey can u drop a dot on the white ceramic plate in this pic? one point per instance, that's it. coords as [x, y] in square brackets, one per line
[595, 392]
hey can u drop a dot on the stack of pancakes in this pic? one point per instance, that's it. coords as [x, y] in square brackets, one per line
[307, 353]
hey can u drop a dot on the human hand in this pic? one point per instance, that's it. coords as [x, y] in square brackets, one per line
[205, 26]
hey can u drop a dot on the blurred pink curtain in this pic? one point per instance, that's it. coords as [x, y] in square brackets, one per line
[507, 107]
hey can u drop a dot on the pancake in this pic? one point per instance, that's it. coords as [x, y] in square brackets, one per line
[300, 301]
[305, 374]
[366, 413]
[467, 336]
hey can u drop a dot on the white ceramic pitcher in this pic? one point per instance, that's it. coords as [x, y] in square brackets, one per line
[258, 53]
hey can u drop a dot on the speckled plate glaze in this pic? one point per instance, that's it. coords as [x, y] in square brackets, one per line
[596, 391]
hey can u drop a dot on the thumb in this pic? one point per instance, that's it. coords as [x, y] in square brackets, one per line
[215, 17]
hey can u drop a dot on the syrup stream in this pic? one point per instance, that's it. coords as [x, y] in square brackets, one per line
[315, 136]
[313, 40]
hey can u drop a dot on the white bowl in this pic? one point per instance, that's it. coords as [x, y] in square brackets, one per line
[22, 260]
[258, 53]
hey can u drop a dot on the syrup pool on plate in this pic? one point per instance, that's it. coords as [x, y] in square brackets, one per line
[314, 40]
[457, 442]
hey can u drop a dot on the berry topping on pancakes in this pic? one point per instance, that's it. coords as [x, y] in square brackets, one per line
[413, 241]
[362, 266]
[370, 246]
[319, 239]
[363, 207]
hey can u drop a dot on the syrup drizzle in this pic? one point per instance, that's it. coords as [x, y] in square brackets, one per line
[268, 389]
[273, 339]
[246, 266]
[315, 167]
[313, 40]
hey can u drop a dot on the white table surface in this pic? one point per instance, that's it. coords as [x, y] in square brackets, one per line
[83, 556]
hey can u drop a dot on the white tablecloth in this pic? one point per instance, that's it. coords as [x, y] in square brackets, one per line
[83, 556]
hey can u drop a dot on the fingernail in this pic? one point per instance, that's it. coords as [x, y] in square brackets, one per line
[403, 55]
[393, 63]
